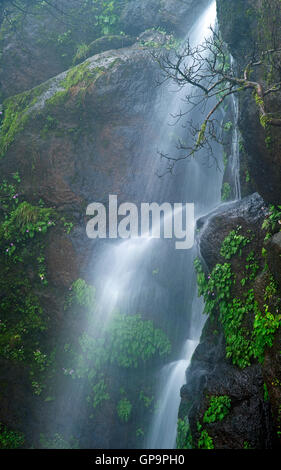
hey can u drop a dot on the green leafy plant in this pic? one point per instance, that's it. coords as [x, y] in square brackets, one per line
[233, 243]
[226, 192]
[57, 441]
[228, 126]
[134, 340]
[81, 294]
[25, 221]
[100, 393]
[272, 220]
[184, 439]
[265, 392]
[265, 326]
[10, 439]
[205, 441]
[145, 399]
[248, 331]
[218, 409]
[124, 409]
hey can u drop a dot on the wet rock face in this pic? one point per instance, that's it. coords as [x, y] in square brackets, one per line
[247, 26]
[46, 43]
[175, 15]
[92, 142]
[274, 256]
[250, 212]
[250, 419]
[211, 373]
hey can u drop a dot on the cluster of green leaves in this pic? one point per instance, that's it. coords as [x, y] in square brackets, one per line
[270, 290]
[124, 409]
[215, 290]
[81, 294]
[134, 340]
[147, 401]
[57, 441]
[21, 222]
[272, 221]
[205, 441]
[99, 393]
[21, 316]
[23, 322]
[10, 439]
[226, 192]
[184, 440]
[26, 221]
[218, 409]
[168, 41]
[17, 112]
[238, 338]
[251, 267]
[233, 243]
[247, 330]
[127, 342]
[228, 126]
[107, 18]
[265, 326]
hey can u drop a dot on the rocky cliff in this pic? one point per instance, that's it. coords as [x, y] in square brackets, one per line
[77, 100]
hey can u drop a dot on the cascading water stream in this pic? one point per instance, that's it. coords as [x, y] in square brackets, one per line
[164, 427]
[235, 150]
[147, 275]
[164, 431]
[235, 160]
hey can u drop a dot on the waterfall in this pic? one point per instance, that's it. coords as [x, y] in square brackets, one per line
[149, 276]
[235, 148]
[163, 430]
[164, 426]
[235, 154]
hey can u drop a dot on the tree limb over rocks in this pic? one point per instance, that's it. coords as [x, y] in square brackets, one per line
[210, 77]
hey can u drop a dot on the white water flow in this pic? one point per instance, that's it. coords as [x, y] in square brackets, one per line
[163, 430]
[124, 285]
[129, 286]
[235, 154]
[149, 276]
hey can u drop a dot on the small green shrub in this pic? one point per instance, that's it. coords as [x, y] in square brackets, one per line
[10, 439]
[100, 393]
[183, 435]
[205, 441]
[233, 243]
[218, 409]
[81, 294]
[272, 220]
[25, 221]
[124, 409]
[226, 192]
[134, 340]
[265, 327]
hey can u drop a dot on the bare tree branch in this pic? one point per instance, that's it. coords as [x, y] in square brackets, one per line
[208, 69]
